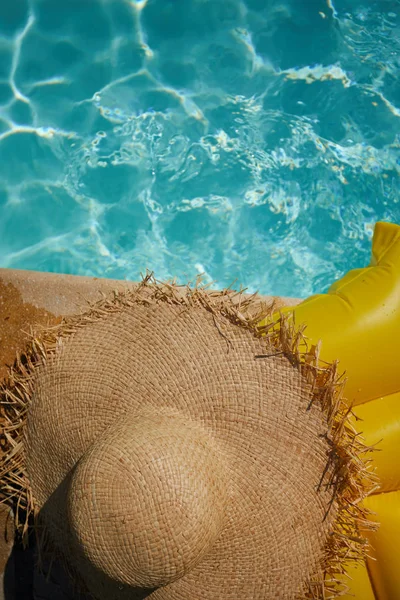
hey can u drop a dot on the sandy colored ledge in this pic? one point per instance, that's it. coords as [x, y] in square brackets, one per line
[29, 298]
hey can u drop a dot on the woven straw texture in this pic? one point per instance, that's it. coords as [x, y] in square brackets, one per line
[174, 454]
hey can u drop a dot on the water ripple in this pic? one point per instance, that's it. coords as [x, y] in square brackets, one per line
[242, 139]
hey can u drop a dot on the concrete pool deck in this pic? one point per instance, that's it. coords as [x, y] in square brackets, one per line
[29, 299]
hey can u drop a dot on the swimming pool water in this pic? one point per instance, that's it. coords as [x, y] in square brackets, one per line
[254, 140]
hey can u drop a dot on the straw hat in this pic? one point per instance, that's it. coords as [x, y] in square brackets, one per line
[174, 451]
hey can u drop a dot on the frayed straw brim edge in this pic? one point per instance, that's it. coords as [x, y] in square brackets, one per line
[348, 472]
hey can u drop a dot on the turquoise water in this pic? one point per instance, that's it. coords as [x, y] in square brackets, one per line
[254, 140]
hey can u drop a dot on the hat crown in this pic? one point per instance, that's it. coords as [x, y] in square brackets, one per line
[147, 502]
